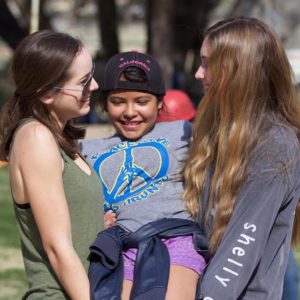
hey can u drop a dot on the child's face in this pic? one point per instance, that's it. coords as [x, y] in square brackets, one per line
[132, 113]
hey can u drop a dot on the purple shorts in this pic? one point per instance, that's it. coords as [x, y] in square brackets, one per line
[182, 253]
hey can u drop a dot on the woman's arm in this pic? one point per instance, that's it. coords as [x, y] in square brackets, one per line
[41, 166]
[251, 256]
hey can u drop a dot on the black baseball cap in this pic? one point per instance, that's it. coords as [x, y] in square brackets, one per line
[118, 63]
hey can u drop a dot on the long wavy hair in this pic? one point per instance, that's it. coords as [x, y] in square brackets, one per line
[40, 62]
[251, 79]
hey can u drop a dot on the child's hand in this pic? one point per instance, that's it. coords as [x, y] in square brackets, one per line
[109, 219]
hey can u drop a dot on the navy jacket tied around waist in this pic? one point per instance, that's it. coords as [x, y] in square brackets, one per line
[152, 265]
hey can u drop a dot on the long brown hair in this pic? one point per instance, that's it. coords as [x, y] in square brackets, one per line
[251, 79]
[40, 62]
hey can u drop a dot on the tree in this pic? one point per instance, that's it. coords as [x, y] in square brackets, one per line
[108, 27]
[174, 30]
[160, 18]
[25, 9]
[175, 35]
[10, 30]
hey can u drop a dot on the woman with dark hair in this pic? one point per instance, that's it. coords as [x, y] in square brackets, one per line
[244, 163]
[140, 168]
[56, 194]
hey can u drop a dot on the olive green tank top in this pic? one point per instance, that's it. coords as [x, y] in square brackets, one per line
[84, 197]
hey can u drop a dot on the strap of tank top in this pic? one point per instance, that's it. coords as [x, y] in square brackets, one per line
[31, 119]
[21, 124]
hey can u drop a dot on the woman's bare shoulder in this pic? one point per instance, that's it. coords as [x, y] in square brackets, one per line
[34, 141]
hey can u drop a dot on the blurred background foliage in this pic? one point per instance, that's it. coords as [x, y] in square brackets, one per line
[170, 30]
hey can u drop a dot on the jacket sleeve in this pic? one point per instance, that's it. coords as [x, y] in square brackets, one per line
[265, 191]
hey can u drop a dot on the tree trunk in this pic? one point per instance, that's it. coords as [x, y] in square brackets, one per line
[10, 30]
[108, 27]
[160, 39]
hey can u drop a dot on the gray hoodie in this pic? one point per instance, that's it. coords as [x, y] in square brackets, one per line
[251, 260]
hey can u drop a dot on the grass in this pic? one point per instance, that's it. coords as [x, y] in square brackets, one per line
[12, 276]
[8, 226]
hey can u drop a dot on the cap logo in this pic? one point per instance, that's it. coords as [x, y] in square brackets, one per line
[134, 62]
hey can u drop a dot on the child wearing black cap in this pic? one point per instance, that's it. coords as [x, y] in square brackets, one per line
[140, 171]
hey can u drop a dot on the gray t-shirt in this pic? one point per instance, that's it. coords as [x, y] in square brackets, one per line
[251, 260]
[142, 180]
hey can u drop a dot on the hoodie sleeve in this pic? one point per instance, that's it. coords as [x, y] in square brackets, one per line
[256, 230]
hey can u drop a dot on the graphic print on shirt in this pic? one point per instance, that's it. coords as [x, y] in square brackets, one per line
[132, 171]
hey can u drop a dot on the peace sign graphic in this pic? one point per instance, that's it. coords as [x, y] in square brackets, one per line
[132, 169]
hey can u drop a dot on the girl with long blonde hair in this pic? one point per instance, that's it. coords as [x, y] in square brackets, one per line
[242, 176]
